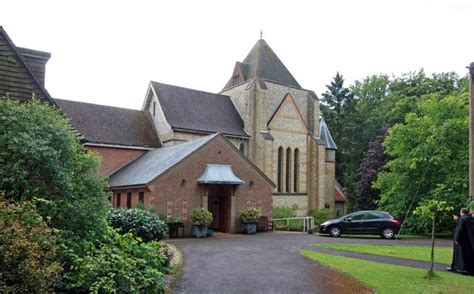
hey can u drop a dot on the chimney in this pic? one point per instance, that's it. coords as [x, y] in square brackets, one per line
[36, 60]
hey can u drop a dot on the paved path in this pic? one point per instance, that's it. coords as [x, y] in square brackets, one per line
[270, 263]
[379, 258]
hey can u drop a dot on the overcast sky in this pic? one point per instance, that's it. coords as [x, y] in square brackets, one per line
[106, 52]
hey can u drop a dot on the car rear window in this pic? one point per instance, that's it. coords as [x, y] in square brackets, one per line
[375, 215]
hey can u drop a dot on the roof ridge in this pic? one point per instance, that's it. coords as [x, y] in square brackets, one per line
[196, 90]
[90, 103]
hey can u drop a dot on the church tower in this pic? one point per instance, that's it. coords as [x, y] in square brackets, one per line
[287, 140]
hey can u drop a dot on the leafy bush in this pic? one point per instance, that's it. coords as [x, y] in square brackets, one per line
[201, 216]
[320, 216]
[122, 264]
[42, 158]
[250, 215]
[284, 211]
[27, 250]
[140, 223]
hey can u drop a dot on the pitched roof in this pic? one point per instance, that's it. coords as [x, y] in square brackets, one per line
[263, 63]
[110, 125]
[155, 162]
[199, 111]
[325, 135]
[17, 79]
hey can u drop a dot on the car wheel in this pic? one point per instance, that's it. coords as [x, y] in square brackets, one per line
[335, 231]
[387, 233]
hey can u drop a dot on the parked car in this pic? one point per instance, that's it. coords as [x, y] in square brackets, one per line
[370, 222]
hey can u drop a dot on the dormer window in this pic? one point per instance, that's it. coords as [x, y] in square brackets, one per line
[236, 80]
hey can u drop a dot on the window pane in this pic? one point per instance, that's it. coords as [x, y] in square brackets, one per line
[296, 171]
[129, 200]
[117, 201]
[374, 215]
[280, 165]
[287, 170]
[141, 197]
[358, 216]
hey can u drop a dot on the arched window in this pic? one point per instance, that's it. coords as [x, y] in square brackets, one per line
[296, 171]
[242, 148]
[287, 170]
[280, 167]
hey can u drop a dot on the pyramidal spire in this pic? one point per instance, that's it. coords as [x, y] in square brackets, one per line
[261, 63]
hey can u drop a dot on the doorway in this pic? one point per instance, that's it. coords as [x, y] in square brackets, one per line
[219, 204]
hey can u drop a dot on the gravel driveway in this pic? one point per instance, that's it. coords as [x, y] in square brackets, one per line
[266, 263]
[261, 263]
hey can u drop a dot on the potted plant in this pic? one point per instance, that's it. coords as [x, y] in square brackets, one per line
[249, 218]
[200, 219]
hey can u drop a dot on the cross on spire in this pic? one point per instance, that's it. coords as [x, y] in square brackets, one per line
[261, 34]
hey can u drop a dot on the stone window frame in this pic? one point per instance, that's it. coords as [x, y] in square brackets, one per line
[280, 170]
[288, 170]
[296, 170]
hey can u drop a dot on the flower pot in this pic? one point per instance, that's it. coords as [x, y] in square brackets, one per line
[249, 228]
[199, 231]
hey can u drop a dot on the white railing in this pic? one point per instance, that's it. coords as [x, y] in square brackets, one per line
[308, 222]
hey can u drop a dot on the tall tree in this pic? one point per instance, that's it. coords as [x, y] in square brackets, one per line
[366, 196]
[430, 158]
[337, 108]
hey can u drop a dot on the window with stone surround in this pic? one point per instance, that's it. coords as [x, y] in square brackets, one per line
[280, 167]
[296, 171]
[288, 171]
[242, 148]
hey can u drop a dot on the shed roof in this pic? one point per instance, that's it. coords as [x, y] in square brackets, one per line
[110, 125]
[155, 162]
[199, 111]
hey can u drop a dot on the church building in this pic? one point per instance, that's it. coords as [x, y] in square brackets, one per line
[260, 142]
[268, 116]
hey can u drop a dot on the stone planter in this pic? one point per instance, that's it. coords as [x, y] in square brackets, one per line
[249, 228]
[199, 231]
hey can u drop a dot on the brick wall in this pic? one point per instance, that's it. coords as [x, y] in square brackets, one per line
[176, 192]
[114, 158]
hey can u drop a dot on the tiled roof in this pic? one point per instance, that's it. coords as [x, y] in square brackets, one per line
[339, 194]
[155, 162]
[199, 111]
[110, 125]
[263, 63]
[17, 79]
[325, 135]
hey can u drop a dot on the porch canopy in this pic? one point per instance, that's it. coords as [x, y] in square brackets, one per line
[219, 174]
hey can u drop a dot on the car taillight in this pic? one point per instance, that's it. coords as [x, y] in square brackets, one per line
[394, 221]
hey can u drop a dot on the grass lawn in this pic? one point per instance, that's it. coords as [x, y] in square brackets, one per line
[387, 278]
[423, 253]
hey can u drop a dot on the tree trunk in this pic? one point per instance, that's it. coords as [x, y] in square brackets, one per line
[431, 273]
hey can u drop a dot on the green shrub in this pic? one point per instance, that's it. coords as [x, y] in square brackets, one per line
[122, 264]
[140, 223]
[28, 250]
[41, 157]
[250, 215]
[201, 216]
[284, 211]
[320, 216]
